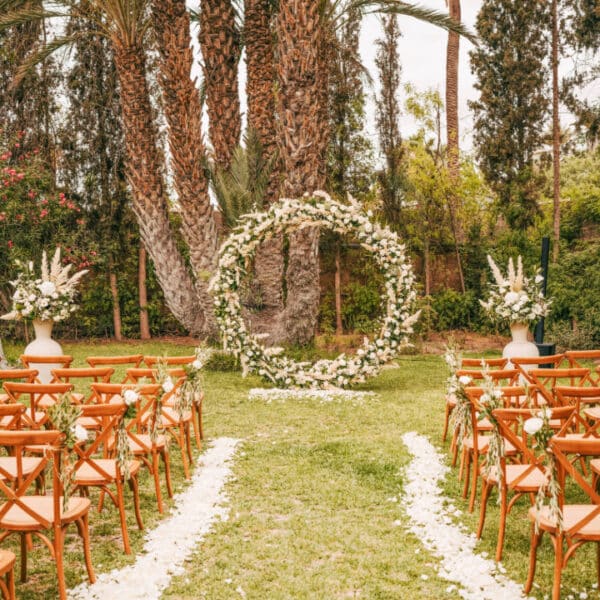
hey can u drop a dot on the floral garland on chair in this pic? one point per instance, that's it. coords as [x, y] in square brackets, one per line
[283, 218]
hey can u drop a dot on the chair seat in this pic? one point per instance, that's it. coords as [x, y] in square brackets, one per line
[451, 400]
[89, 423]
[530, 483]
[572, 514]
[4, 398]
[8, 465]
[145, 443]
[172, 416]
[7, 561]
[483, 441]
[17, 518]
[595, 465]
[87, 475]
[46, 401]
[592, 413]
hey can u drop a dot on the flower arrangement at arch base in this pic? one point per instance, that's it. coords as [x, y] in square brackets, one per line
[283, 218]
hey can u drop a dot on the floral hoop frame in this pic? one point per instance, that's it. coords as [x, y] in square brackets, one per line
[284, 217]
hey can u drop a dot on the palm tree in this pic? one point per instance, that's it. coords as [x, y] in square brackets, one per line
[304, 37]
[183, 112]
[125, 24]
[220, 46]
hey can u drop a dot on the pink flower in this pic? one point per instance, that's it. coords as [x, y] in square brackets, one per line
[43, 213]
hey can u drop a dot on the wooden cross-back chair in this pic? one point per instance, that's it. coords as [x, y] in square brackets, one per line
[522, 478]
[499, 375]
[23, 375]
[526, 363]
[581, 522]
[577, 358]
[139, 429]
[476, 445]
[96, 464]
[119, 362]
[38, 398]
[504, 377]
[479, 363]
[176, 424]
[543, 382]
[44, 364]
[7, 576]
[173, 361]
[82, 375]
[35, 515]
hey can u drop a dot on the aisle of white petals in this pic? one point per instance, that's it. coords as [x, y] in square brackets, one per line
[175, 538]
[430, 516]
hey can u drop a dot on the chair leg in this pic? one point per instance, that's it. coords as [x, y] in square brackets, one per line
[188, 443]
[84, 531]
[165, 457]
[133, 484]
[196, 424]
[502, 523]
[467, 473]
[558, 565]
[533, 546]
[121, 506]
[23, 537]
[184, 460]
[59, 560]
[446, 421]
[486, 488]
[474, 483]
[200, 422]
[10, 585]
[155, 474]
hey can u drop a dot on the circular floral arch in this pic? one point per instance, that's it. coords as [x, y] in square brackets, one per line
[285, 217]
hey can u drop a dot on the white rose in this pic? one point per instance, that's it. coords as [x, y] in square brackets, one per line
[47, 288]
[465, 379]
[32, 298]
[511, 298]
[131, 397]
[81, 433]
[533, 425]
[168, 385]
[197, 364]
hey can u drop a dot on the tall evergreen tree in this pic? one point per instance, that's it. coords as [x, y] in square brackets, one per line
[511, 67]
[391, 178]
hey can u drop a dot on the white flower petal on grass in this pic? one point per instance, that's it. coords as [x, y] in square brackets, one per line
[478, 578]
[175, 538]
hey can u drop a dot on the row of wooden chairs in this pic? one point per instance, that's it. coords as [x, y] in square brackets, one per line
[103, 410]
[573, 395]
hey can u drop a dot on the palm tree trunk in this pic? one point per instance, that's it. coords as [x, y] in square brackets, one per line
[452, 60]
[339, 329]
[144, 173]
[3, 361]
[220, 47]
[183, 112]
[555, 135]
[143, 294]
[302, 137]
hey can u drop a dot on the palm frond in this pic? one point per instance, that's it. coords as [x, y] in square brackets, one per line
[26, 15]
[416, 11]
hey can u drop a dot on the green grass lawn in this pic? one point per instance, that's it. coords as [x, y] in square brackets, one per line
[311, 510]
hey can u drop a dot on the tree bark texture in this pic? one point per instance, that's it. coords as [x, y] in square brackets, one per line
[220, 47]
[183, 112]
[555, 135]
[144, 173]
[143, 295]
[339, 329]
[114, 292]
[302, 137]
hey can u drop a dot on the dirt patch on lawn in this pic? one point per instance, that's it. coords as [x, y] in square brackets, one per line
[467, 341]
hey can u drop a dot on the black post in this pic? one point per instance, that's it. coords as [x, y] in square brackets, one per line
[539, 328]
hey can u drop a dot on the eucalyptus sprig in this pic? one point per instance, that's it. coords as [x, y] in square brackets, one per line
[538, 426]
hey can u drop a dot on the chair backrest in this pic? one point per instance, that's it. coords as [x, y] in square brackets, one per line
[124, 361]
[564, 448]
[151, 361]
[35, 416]
[524, 364]
[512, 396]
[108, 418]
[478, 363]
[510, 423]
[134, 375]
[26, 375]
[544, 381]
[577, 357]
[15, 489]
[63, 359]
[84, 375]
[11, 415]
[499, 376]
[579, 397]
[104, 393]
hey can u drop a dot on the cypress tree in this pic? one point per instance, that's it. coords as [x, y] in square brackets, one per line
[511, 67]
